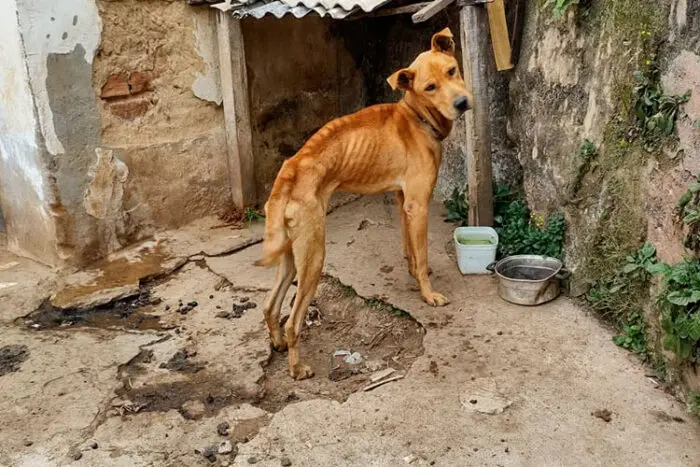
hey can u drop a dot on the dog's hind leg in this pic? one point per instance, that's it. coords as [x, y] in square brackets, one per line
[285, 275]
[309, 252]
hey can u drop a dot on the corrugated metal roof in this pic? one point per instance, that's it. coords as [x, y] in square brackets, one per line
[336, 9]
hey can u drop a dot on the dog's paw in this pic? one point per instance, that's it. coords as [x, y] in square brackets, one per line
[436, 299]
[301, 371]
[278, 345]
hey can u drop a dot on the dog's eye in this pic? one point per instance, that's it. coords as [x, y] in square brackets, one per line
[452, 71]
[430, 88]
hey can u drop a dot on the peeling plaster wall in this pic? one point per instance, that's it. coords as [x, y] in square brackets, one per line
[156, 79]
[25, 195]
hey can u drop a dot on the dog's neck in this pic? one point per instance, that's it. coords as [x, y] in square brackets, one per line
[438, 126]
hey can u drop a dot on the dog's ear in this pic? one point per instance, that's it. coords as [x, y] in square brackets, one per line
[402, 79]
[443, 41]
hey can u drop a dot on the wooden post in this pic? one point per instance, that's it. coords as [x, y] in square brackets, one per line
[498, 28]
[234, 87]
[474, 27]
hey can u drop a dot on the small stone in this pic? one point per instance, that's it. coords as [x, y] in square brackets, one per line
[77, 455]
[28, 442]
[285, 462]
[252, 460]
[192, 410]
[225, 447]
[193, 304]
[244, 299]
[94, 445]
[211, 297]
[223, 428]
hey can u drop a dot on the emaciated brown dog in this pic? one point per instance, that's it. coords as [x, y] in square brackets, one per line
[389, 147]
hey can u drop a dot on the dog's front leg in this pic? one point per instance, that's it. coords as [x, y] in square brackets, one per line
[416, 211]
[406, 239]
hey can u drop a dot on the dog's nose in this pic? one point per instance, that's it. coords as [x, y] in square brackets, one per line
[461, 103]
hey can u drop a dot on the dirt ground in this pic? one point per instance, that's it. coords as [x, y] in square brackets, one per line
[158, 356]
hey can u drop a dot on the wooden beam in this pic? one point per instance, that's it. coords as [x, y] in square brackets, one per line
[474, 24]
[430, 10]
[234, 86]
[499, 35]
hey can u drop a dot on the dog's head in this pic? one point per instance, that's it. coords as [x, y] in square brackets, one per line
[433, 79]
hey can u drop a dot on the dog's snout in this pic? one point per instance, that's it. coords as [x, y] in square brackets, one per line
[461, 103]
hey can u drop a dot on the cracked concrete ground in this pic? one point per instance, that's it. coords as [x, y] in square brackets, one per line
[180, 364]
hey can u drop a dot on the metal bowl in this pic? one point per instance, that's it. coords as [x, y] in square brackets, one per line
[529, 279]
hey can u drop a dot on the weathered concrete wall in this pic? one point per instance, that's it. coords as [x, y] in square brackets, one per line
[575, 82]
[300, 76]
[25, 194]
[116, 127]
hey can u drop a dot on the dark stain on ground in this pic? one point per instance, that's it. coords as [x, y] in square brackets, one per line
[130, 313]
[12, 357]
[664, 417]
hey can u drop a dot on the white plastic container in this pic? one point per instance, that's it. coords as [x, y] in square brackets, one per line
[473, 258]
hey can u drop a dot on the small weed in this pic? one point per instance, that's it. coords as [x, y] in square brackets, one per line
[694, 403]
[583, 161]
[251, 215]
[656, 112]
[679, 302]
[633, 336]
[378, 304]
[559, 7]
[688, 210]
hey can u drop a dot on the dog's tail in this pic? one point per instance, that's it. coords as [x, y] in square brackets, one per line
[275, 240]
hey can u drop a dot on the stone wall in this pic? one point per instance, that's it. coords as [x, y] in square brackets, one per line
[575, 82]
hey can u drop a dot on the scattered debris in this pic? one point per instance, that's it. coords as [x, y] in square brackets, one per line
[603, 414]
[382, 382]
[222, 429]
[77, 455]
[122, 407]
[285, 462]
[366, 223]
[484, 398]
[209, 453]
[379, 375]
[193, 409]
[410, 459]
[313, 316]
[664, 417]
[225, 447]
[434, 368]
[386, 269]
[180, 362]
[237, 310]
[11, 357]
[252, 460]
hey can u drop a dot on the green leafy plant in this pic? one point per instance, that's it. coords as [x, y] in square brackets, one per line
[251, 215]
[656, 112]
[694, 403]
[688, 210]
[623, 296]
[679, 302]
[583, 160]
[559, 7]
[633, 336]
[522, 233]
[457, 205]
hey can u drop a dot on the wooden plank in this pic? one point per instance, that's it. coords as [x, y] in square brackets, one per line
[475, 54]
[234, 87]
[430, 10]
[499, 35]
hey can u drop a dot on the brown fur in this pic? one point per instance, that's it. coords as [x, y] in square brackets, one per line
[389, 147]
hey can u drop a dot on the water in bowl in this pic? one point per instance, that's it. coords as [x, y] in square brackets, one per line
[469, 240]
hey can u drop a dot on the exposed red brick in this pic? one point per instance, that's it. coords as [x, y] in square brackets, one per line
[140, 81]
[130, 108]
[116, 86]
